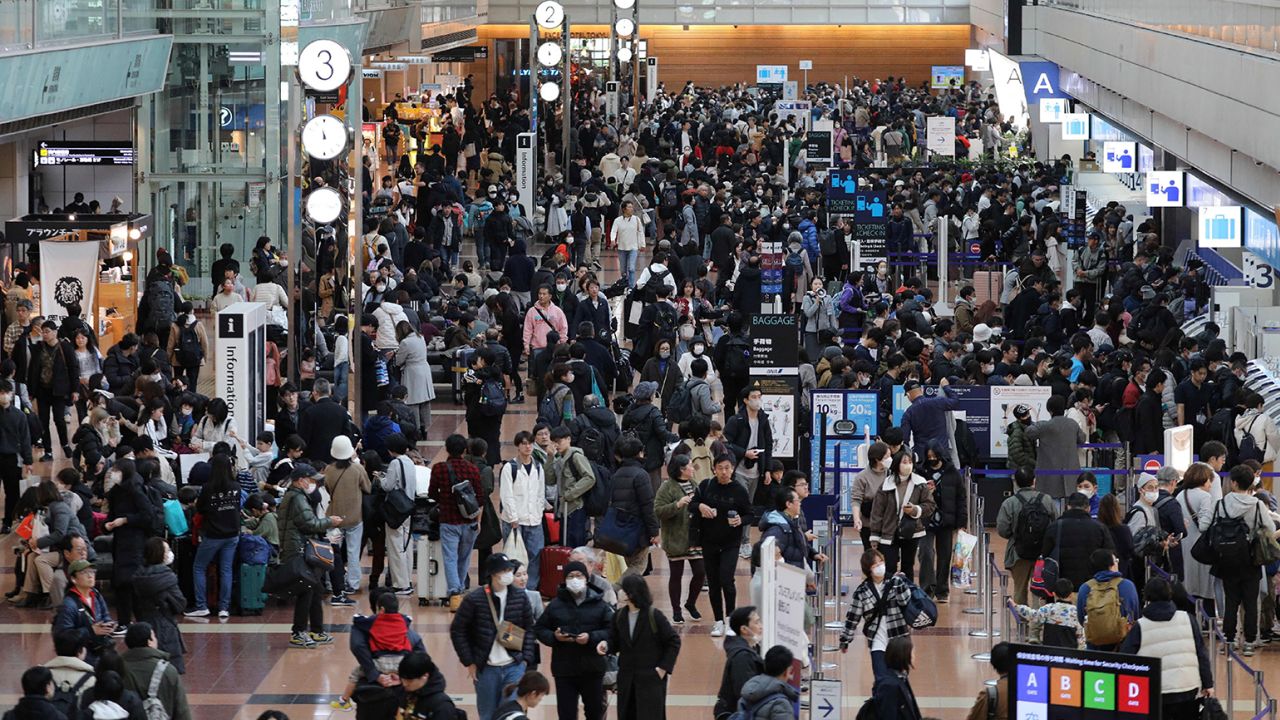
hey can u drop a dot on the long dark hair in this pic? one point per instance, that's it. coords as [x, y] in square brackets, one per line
[637, 591]
[222, 475]
[217, 410]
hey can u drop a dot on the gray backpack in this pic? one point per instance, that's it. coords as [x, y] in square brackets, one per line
[151, 704]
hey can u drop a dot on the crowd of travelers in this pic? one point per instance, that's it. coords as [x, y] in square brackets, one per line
[645, 430]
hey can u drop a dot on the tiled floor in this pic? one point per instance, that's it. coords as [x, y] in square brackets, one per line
[238, 668]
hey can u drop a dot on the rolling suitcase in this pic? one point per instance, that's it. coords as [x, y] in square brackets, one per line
[551, 562]
[432, 585]
[252, 598]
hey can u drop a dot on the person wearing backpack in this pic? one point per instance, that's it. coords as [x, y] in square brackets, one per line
[188, 346]
[732, 358]
[993, 700]
[1107, 604]
[878, 603]
[892, 697]
[73, 678]
[573, 476]
[522, 488]
[1022, 521]
[158, 600]
[742, 659]
[769, 696]
[647, 422]
[694, 398]
[450, 481]
[36, 702]
[148, 672]
[1173, 636]
[1256, 436]
[1235, 567]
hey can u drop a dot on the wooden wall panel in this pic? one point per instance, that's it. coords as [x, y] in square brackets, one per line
[712, 55]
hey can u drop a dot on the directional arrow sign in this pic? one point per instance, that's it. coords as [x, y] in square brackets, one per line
[825, 699]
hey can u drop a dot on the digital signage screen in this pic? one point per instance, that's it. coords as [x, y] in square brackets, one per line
[1050, 683]
[83, 152]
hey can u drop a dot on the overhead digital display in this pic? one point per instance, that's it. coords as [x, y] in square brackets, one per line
[83, 152]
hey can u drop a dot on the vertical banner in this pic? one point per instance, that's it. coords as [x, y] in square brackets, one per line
[817, 146]
[240, 366]
[942, 135]
[611, 99]
[70, 277]
[775, 361]
[783, 610]
[871, 227]
[526, 173]
[651, 91]
[778, 400]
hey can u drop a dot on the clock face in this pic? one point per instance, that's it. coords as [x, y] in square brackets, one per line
[550, 14]
[550, 54]
[324, 66]
[324, 205]
[624, 55]
[324, 137]
[624, 26]
[549, 91]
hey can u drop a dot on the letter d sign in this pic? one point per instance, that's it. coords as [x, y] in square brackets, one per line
[1134, 694]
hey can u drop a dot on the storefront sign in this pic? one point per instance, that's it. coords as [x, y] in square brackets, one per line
[526, 173]
[941, 135]
[240, 365]
[70, 277]
[466, 54]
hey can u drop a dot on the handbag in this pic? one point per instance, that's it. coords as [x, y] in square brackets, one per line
[514, 548]
[510, 635]
[26, 528]
[291, 577]
[318, 554]
[619, 532]
[1211, 709]
[1265, 548]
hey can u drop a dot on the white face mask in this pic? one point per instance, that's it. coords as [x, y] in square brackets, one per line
[698, 349]
[576, 585]
[1151, 496]
[877, 571]
[560, 287]
[1087, 493]
[168, 557]
[505, 579]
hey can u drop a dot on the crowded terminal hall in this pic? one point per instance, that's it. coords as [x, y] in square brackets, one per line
[390, 361]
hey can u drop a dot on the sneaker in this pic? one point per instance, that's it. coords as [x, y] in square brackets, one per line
[66, 451]
[198, 612]
[342, 601]
[692, 609]
[1248, 650]
[343, 704]
[120, 631]
[5, 529]
[943, 600]
[321, 638]
[223, 614]
[677, 618]
[519, 399]
[717, 630]
[301, 640]
[404, 591]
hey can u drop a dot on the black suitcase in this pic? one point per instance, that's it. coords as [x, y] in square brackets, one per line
[994, 491]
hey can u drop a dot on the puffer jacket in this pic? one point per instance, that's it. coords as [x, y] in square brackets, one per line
[633, 493]
[298, 523]
[158, 600]
[795, 550]
[950, 496]
[591, 616]
[769, 698]
[1022, 449]
[473, 631]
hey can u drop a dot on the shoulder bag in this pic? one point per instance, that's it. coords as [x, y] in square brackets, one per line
[510, 635]
[398, 506]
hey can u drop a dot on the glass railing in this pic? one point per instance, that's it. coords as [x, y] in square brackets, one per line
[30, 24]
[1248, 23]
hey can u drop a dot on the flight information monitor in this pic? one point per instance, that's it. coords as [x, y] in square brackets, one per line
[83, 152]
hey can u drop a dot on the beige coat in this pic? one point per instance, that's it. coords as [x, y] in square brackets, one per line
[347, 488]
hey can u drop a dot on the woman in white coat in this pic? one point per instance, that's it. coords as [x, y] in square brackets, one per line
[1196, 500]
[415, 373]
[1266, 437]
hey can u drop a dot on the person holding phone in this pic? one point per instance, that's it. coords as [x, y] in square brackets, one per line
[680, 538]
[84, 612]
[575, 622]
[718, 507]
[898, 514]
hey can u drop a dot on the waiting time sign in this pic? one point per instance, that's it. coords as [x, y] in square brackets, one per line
[1049, 683]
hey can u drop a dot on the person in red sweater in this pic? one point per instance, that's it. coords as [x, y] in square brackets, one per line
[457, 527]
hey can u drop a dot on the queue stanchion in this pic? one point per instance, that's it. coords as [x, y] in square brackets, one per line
[1258, 700]
[987, 606]
[979, 551]
[831, 594]
[988, 631]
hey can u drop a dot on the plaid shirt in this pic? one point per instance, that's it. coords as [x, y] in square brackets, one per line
[863, 605]
[441, 489]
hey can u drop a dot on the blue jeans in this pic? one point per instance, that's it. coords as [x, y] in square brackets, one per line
[340, 372]
[457, 542]
[627, 265]
[879, 668]
[533, 544]
[224, 549]
[353, 538]
[489, 684]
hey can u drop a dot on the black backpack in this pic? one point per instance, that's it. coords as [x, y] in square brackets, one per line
[161, 301]
[681, 403]
[737, 358]
[1222, 427]
[652, 286]
[1247, 448]
[189, 350]
[66, 698]
[593, 443]
[597, 500]
[829, 243]
[1030, 526]
[1229, 539]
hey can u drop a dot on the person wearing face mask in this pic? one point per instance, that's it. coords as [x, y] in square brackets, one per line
[878, 604]
[130, 521]
[647, 646]
[298, 525]
[865, 486]
[574, 624]
[742, 658]
[951, 497]
[481, 637]
[15, 451]
[898, 514]
[158, 600]
[219, 505]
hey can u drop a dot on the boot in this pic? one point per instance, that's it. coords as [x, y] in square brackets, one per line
[33, 600]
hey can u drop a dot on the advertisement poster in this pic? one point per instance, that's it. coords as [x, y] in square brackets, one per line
[1119, 157]
[941, 135]
[1051, 683]
[945, 77]
[775, 344]
[778, 400]
[843, 420]
[770, 268]
[1165, 188]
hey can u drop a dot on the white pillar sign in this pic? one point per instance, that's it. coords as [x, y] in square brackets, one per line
[526, 173]
[611, 99]
[240, 358]
[651, 88]
[942, 135]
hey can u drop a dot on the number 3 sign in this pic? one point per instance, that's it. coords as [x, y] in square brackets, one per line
[324, 66]
[1257, 272]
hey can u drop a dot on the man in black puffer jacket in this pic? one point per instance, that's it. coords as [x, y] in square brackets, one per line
[1080, 536]
[474, 632]
[646, 421]
[574, 623]
[633, 494]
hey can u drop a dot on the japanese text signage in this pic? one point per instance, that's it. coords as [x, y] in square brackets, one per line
[775, 344]
[1050, 683]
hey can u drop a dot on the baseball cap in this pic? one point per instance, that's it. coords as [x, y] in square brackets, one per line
[910, 385]
[78, 566]
[498, 562]
[303, 470]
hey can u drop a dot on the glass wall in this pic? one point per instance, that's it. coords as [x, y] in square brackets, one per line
[1253, 24]
[28, 24]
